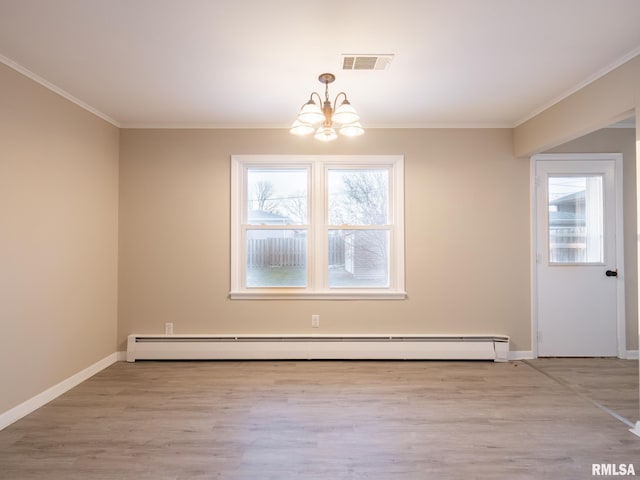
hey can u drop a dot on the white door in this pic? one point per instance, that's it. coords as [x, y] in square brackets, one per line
[577, 274]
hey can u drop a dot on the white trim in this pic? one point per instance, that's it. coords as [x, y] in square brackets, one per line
[317, 282]
[283, 126]
[319, 295]
[632, 355]
[41, 399]
[50, 86]
[521, 355]
[619, 234]
[636, 430]
[533, 245]
[621, 307]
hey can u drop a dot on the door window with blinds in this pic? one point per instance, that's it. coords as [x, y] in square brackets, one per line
[317, 227]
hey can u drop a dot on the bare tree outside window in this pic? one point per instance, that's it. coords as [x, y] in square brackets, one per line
[358, 197]
[358, 257]
[281, 192]
[263, 193]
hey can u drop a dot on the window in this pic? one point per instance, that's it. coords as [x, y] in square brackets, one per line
[317, 226]
[576, 219]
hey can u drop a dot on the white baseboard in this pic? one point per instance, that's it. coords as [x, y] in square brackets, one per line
[28, 406]
[521, 355]
[121, 356]
[528, 355]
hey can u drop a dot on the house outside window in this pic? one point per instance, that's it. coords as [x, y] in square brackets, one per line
[317, 226]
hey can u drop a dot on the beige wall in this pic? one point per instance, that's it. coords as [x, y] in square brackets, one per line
[467, 236]
[58, 238]
[619, 140]
[608, 99]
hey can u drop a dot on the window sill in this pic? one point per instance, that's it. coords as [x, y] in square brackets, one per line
[347, 295]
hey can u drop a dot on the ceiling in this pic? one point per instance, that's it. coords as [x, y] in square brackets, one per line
[252, 63]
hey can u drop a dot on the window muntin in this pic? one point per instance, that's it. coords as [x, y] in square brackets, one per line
[327, 227]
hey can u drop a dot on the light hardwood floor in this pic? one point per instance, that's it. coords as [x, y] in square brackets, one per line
[331, 420]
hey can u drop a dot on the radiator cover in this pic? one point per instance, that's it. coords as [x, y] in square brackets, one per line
[335, 347]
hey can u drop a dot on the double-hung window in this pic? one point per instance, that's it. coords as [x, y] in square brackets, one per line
[317, 226]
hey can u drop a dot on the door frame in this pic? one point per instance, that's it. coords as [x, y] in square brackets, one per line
[619, 234]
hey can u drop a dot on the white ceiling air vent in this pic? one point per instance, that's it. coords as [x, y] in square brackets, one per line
[366, 62]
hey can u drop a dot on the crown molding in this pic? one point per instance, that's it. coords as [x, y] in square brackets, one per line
[55, 89]
[206, 126]
[590, 79]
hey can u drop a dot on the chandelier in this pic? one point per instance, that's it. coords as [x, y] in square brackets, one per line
[324, 120]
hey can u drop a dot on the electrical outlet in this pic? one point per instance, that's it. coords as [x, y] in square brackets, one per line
[168, 328]
[315, 321]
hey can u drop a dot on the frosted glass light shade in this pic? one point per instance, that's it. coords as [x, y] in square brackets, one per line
[326, 134]
[310, 113]
[352, 129]
[345, 113]
[301, 128]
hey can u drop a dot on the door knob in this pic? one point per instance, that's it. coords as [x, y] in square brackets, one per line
[611, 273]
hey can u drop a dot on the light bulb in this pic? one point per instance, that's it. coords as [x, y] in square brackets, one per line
[301, 128]
[310, 113]
[352, 129]
[326, 134]
[345, 113]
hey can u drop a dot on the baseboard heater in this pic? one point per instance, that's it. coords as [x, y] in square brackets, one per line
[334, 347]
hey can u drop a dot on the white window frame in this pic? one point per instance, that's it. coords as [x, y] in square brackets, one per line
[317, 255]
